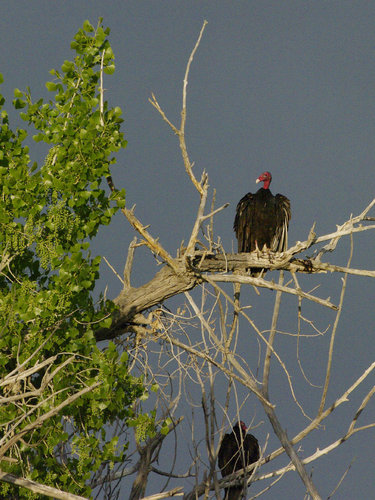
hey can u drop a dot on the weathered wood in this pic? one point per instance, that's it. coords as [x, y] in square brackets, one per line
[167, 282]
[133, 301]
[39, 488]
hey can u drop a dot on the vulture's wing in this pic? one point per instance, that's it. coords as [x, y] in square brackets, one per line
[227, 451]
[243, 222]
[283, 214]
[251, 448]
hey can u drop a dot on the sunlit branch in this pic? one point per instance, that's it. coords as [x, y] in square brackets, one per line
[259, 282]
[38, 488]
[267, 359]
[333, 335]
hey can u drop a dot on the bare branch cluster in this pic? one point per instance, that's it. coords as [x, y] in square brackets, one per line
[35, 403]
[193, 348]
[186, 272]
[19, 390]
[193, 352]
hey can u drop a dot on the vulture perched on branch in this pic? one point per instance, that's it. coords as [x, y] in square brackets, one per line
[237, 450]
[262, 220]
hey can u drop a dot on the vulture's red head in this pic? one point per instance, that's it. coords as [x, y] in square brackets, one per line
[266, 178]
[243, 426]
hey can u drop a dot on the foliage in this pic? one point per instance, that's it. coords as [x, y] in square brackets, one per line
[48, 215]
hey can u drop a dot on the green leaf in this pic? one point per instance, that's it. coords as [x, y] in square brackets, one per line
[109, 53]
[117, 111]
[164, 430]
[67, 66]
[19, 104]
[51, 86]
[88, 27]
[109, 70]
[106, 323]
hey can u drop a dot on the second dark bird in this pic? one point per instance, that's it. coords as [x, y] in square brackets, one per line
[237, 450]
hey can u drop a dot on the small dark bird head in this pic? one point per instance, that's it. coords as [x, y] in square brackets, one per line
[243, 426]
[266, 178]
[240, 425]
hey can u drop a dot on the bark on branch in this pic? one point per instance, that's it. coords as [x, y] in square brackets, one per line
[187, 272]
[41, 489]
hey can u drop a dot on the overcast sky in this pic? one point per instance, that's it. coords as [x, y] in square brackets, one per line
[285, 86]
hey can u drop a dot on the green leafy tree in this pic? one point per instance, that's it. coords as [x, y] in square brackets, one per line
[59, 391]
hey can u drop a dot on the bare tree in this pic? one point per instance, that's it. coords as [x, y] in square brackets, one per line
[190, 349]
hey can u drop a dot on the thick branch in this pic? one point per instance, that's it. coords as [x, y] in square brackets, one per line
[168, 283]
[42, 489]
[131, 302]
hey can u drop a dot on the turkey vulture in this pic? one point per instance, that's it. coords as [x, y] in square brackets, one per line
[262, 220]
[237, 450]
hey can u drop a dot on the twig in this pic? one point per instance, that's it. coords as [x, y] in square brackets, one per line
[267, 359]
[198, 221]
[334, 329]
[259, 282]
[315, 423]
[112, 269]
[360, 409]
[151, 242]
[246, 382]
[49, 414]
[340, 482]
[287, 445]
[187, 72]
[101, 90]
[129, 263]
[230, 356]
[157, 106]
[23, 374]
[181, 133]
[210, 229]
[214, 212]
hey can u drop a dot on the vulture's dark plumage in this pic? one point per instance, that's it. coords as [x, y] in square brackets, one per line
[262, 219]
[237, 450]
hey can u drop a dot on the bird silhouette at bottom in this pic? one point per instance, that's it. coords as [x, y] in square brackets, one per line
[237, 450]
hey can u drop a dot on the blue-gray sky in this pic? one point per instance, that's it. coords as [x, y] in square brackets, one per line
[287, 87]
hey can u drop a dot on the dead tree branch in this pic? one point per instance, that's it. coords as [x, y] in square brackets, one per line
[185, 273]
[38, 488]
